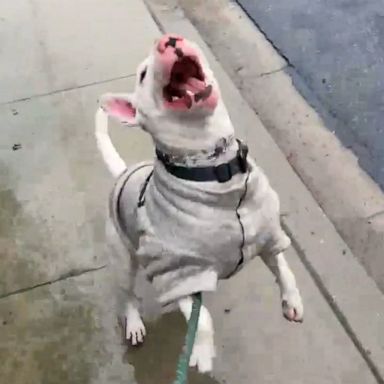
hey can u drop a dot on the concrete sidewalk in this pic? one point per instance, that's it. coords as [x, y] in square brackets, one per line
[57, 321]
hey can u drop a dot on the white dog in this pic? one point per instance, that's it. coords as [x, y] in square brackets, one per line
[204, 208]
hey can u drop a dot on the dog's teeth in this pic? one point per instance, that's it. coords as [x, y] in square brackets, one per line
[189, 93]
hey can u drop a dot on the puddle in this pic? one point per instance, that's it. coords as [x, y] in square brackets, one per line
[155, 361]
[21, 244]
[47, 339]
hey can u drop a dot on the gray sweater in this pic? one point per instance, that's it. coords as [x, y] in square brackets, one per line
[186, 235]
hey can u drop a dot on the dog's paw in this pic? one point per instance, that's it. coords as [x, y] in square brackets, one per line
[203, 353]
[134, 327]
[292, 304]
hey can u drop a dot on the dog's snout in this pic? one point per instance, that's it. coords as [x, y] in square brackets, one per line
[168, 41]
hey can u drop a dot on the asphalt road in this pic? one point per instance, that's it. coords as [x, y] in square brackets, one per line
[336, 52]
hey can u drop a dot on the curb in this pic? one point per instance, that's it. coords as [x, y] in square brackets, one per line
[351, 293]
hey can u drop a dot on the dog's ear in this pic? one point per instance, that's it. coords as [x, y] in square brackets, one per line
[120, 106]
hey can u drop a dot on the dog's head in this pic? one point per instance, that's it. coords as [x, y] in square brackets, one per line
[175, 93]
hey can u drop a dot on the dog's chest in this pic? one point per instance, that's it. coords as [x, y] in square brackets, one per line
[192, 226]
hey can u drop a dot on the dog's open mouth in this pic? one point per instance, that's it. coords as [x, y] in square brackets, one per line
[186, 84]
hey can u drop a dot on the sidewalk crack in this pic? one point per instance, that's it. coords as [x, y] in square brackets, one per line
[56, 91]
[67, 275]
[376, 214]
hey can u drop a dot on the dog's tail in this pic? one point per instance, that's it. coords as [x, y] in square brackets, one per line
[115, 163]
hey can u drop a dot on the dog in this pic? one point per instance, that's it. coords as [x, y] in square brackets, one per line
[203, 208]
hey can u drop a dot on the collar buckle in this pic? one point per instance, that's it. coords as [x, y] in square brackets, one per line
[223, 173]
[242, 154]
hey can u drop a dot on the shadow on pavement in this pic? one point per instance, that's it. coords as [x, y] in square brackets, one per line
[155, 361]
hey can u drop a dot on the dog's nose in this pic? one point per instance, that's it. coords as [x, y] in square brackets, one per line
[168, 41]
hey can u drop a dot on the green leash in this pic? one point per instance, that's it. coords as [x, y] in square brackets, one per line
[183, 363]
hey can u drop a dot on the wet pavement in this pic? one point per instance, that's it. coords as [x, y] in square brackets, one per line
[62, 333]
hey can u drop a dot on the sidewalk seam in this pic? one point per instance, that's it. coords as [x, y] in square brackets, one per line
[333, 304]
[57, 91]
[374, 215]
[154, 17]
[274, 71]
[68, 275]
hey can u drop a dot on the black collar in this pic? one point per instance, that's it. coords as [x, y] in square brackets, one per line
[221, 173]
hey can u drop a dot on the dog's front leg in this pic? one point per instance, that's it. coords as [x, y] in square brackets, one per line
[203, 349]
[291, 300]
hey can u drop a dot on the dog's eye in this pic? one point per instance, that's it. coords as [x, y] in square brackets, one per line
[142, 75]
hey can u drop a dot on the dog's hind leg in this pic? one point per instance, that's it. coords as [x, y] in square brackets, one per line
[203, 349]
[291, 300]
[125, 268]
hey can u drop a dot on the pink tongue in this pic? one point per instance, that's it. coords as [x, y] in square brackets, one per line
[193, 85]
